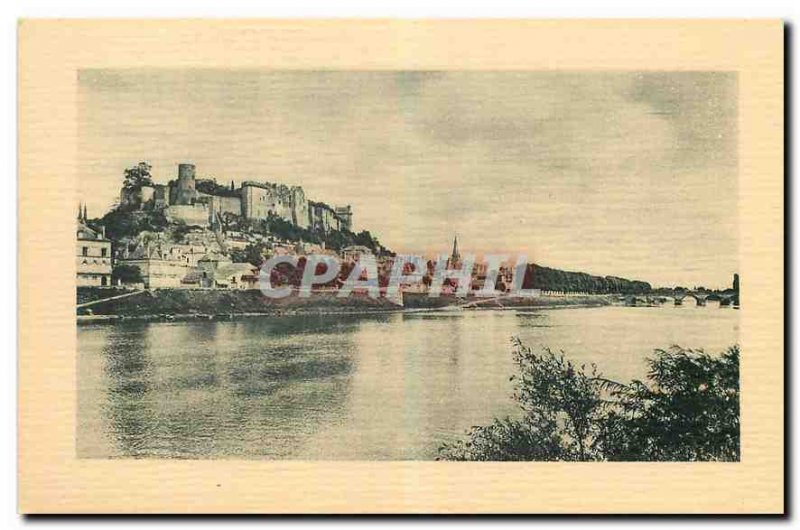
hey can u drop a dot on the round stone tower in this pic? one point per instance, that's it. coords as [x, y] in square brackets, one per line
[186, 193]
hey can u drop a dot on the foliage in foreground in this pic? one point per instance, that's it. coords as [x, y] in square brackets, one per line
[686, 410]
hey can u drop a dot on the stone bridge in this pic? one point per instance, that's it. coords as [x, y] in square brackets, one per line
[700, 298]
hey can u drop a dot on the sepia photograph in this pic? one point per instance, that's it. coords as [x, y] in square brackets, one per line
[432, 267]
[529, 305]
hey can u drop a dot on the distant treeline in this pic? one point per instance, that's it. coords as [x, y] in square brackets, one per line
[547, 279]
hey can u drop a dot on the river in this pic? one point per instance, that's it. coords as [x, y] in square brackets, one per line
[369, 387]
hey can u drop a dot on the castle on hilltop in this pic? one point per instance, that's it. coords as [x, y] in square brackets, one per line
[199, 201]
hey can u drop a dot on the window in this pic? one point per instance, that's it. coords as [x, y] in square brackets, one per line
[103, 252]
[85, 251]
[103, 280]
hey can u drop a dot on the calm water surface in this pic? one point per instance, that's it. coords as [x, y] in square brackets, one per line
[343, 387]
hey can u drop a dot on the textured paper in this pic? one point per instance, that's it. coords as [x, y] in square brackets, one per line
[53, 480]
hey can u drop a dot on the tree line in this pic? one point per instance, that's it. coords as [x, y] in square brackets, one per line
[548, 279]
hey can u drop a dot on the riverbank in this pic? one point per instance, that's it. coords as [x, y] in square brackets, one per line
[108, 305]
[105, 304]
[423, 301]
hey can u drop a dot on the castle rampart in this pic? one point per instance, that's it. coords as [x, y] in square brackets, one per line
[183, 200]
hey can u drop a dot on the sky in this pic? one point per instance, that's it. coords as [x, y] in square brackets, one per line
[631, 174]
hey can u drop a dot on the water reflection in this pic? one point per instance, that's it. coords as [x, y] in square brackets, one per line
[129, 383]
[195, 390]
[390, 386]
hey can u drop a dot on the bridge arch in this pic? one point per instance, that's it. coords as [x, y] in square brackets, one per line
[699, 298]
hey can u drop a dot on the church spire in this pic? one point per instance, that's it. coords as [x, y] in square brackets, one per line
[455, 257]
[85, 217]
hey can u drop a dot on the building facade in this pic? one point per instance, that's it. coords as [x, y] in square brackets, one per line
[160, 272]
[161, 262]
[93, 256]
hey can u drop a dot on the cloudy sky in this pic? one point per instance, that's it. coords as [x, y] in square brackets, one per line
[630, 174]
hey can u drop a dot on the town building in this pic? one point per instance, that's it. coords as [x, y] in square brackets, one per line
[161, 263]
[197, 263]
[354, 252]
[93, 254]
[236, 276]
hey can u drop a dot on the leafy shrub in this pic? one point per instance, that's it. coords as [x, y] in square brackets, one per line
[687, 410]
[138, 176]
[121, 223]
[127, 274]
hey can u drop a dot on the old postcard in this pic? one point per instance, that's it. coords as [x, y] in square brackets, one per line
[401, 266]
